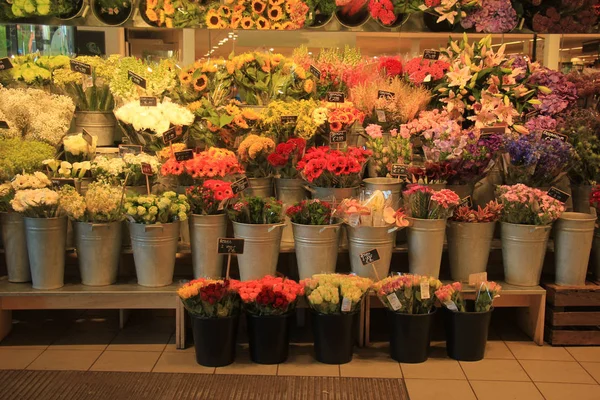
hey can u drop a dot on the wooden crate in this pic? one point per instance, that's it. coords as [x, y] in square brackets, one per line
[573, 314]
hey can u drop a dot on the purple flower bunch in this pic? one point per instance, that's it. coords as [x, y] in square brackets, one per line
[519, 61]
[563, 93]
[475, 160]
[540, 123]
[565, 16]
[494, 16]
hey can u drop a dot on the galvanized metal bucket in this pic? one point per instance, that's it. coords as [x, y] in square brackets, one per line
[204, 232]
[184, 229]
[469, 248]
[317, 248]
[46, 240]
[289, 192]
[259, 187]
[334, 195]
[15, 247]
[425, 239]
[261, 249]
[523, 252]
[573, 236]
[581, 198]
[391, 185]
[98, 251]
[596, 253]
[365, 238]
[97, 123]
[154, 251]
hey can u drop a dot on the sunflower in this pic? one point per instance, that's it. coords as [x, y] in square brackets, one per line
[309, 86]
[212, 19]
[277, 26]
[262, 23]
[240, 121]
[267, 65]
[275, 13]
[235, 24]
[258, 6]
[247, 23]
[225, 11]
[276, 2]
[287, 25]
[276, 59]
[200, 83]
[185, 77]
[230, 65]
[151, 14]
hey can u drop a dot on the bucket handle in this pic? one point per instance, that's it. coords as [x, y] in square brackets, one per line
[274, 226]
[155, 226]
[310, 189]
[393, 229]
[98, 225]
[327, 227]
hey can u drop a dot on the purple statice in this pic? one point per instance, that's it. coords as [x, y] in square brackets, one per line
[564, 93]
[540, 123]
[494, 16]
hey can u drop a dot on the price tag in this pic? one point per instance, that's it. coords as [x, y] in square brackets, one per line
[136, 79]
[336, 97]
[78, 66]
[58, 183]
[431, 55]
[467, 201]
[4, 125]
[230, 246]
[184, 155]
[369, 257]
[147, 169]
[315, 71]
[169, 135]
[148, 101]
[384, 94]
[476, 279]
[425, 290]
[394, 302]
[87, 137]
[381, 116]
[240, 185]
[5, 64]
[289, 119]
[337, 137]
[346, 304]
[558, 194]
[491, 130]
[129, 149]
[451, 306]
[399, 170]
[551, 135]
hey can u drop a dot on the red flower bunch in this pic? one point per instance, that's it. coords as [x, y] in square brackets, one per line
[432, 172]
[210, 163]
[595, 198]
[391, 66]
[210, 198]
[383, 10]
[209, 298]
[286, 155]
[325, 167]
[269, 295]
[418, 70]
[432, 3]
[340, 117]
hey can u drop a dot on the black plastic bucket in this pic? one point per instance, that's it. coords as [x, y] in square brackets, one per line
[214, 340]
[410, 335]
[467, 333]
[334, 337]
[269, 337]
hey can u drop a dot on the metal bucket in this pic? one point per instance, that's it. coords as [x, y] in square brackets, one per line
[581, 198]
[573, 235]
[523, 252]
[469, 248]
[290, 192]
[204, 232]
[154, 251]
[97, 123]
[98, 251]
[317, 248]
[365, 238]
[46, 240]
[15, 247]
[394, 186]
[334, 195]
[462, 190]
[184, 229]
[596, 253]
[259, 187]
[425, 239]
[261, 249]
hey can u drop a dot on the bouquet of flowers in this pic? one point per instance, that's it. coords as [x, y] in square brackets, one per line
[476, 159]
[325, 167]
[41, 8]
[402, 293]
[208, 164]
[491, 16]
[582, 125]
[37, 203]
[422, 202]
[210, 198]
[309, 117]
[210, 298]
[286, 156]
[253, 153]
[101, 203]
[451, 297]
[563, 16]
[431, 173]
[152, 209]
[252, 14]
[527, 206]
[160, 79]
[22, 156]
[256, 210]
[32, 70]
[376, 210]
[343, 117]
[311, 212]
[64, 169]
[77, 149]
[115, 170]
[452, 11]
[174, 13]
[489, 213]
[335, 293]
[269, 295]
[425, 72]
[387, 150]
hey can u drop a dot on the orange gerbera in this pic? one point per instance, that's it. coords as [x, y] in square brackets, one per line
[200, 83]
[277, 58]
[335, 126]
[262, 23]
[212, 19]
[225, 11]
[267, 65]
[309, 86]
[151, 14]
[258, 6]
[275, 13]
[247, 23]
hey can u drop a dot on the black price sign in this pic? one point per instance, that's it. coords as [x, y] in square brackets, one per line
[58, 183]
[4, 125]
[240, 185]
[315, 71]
[337, 137]
[136, 79]
[77, 66]
[551, 135]
[129, 149]
[5, 63]
[491, 130]
[148, 101]
[184, 155]
[399, 170]
[467, 201]
[369, 257]
[289, 119]
[431, 55]
[336, 97]
[170, 135]
[147, 169]
[231, 246]
[384, 94]
[558, 194]
[87, 137]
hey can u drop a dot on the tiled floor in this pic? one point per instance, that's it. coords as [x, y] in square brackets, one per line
[514, 367]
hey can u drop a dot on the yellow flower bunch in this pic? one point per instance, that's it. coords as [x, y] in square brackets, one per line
[332, 293]
[255, 146]
[306, 126]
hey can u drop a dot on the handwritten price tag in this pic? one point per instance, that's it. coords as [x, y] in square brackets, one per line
[431, 55]
[170, 135]
[477, 278]
[147, 169]
[336, 97]
[289, 119]
[399, 170]
[148, 101]
[230, 246]
[491, 130]
[136, 79]
[315, 71]
[385, 94]
[184, 155]
[87, 137]
[240, 185]
[369, 257]
[551, 135]
[558, 194]
[338, 137]
[78, 66]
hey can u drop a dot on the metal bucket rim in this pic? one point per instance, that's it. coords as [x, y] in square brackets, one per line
[528, 225]
[243, 224]
[570, 216]
[383, 181]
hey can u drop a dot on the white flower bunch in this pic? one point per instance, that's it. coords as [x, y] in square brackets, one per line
[111, 170]
[156, 119]
[102, 203]
[64, 169]
[37, 203]
[114, 170]
[320, 115]
[153, 209]
[37, 180]
[78, 148]
[160, 78]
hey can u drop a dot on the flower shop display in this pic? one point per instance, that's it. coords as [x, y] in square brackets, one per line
[527, 216]
[158, 78]
[257, 220]
[387, 149]
[22, 156]
[213, 306]
[282, 120]
[77, 149]
[467, 322]
[126, 170]
[425, 72]
[31, 70]
[207, 223]
[470, 233]
[155, 219]
[173, 13]
[342, 117]
[335, 302]
[253, 154]
[491, 16]
[316, 236]
[97, 220]
[25, 9]
[409, 300]
[72, 174]
[442, 15]
[13, 238]
[270, 305]
[249, 14]
[573, 236]
[112, 12]
[428, 211]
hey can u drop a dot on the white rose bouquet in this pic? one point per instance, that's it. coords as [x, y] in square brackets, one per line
[153, 209]
[64, 169]
[37, 203]
[77, 148]
[101, 203]
[114, 170]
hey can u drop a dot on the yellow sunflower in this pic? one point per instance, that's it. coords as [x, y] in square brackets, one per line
[276, 59]
[212, 19]
[287, 25]
[258, 6]
[230, 65]
[276, 2]
[201, 83]
[225, 11]
[309, 86]
[185, 77]
[300, 72]
[151, 14]
[262, 23]
[277, 26]
[275, 13]
[240, 121]
[246, 23]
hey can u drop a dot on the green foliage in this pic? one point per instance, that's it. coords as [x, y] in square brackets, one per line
[22, 156]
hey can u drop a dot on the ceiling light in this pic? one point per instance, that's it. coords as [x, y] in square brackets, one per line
[271, 49]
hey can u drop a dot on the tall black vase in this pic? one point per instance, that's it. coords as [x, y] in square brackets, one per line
[214, 340]
[466, 333]
[334, 337]
[269, 337]
[410, 335]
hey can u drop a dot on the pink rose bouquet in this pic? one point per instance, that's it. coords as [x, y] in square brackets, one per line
[451, 297]
[528, 206]
[402, 293]
[422, 202]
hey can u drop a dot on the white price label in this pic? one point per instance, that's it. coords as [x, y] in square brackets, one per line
[394, 302]
[450, 305]
[346, 304]
[476, 279]
[425, 290]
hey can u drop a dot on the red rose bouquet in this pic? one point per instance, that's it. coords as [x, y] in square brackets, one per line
[210, 198]
[423, 202]
[325, 167]
[210, 298]
[211, 163]
[269, 295]
[286, 156]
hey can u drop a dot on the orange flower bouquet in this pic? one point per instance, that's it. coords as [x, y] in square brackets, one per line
[209, 164]
[342, 117]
